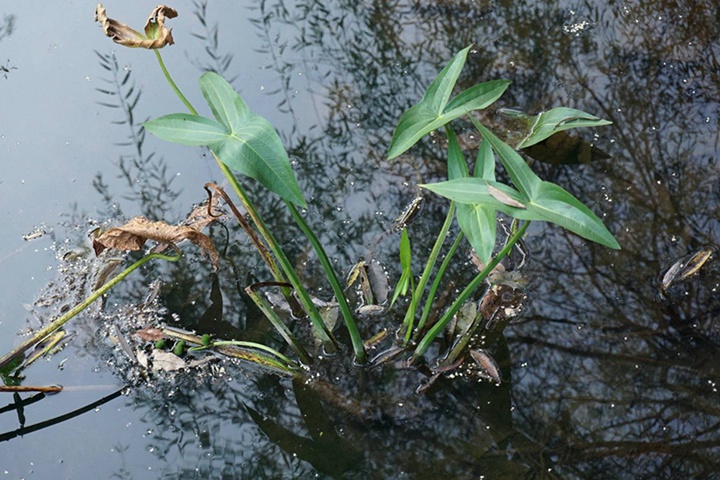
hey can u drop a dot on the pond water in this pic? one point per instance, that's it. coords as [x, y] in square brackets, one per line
[606, 377]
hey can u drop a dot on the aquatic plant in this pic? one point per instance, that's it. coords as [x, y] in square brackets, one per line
[244, 143]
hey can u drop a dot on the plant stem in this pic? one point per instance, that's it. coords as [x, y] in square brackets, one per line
[465, 294]
[436, 283]
[303, 295]
[257, 346]
[282, 329]
[55, 324]
[300, 290]
[417, 294]
[279, 363]
[172, 83]
[259, 245]
[357, 342]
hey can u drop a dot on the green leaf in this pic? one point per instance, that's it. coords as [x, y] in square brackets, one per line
[556, 205]
[520, 173]
[187, 129]
[485, 162]
[476, 191]
[551, 203]
[252, 146]
[405, 251]
[405, 282]
[478, 224]
[434, 111]
[254, 149]
[557, 120]
[476, 97]
[226, 105]
[439, 91]
[457, 168]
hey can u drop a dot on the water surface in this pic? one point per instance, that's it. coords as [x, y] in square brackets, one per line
[609, 378]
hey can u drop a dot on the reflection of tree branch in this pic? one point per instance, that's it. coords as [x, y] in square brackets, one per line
[605, 356]
[629, 448]
[146, 175]
[62, 418]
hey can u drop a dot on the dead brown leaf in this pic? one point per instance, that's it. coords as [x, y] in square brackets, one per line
[133, 235]
[203, 215]
[156, 34]
[166, 361]
[149, 334]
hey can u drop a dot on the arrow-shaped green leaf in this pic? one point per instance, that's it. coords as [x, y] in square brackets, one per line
[187, 129]
[557, 120]
[434, 111]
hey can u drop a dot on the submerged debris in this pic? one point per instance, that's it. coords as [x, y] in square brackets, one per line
[686, 267]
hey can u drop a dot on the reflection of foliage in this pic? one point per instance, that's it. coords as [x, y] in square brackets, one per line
[598, 343]
[146, 174]
[219, 63]
[611, 381]
[7, 27]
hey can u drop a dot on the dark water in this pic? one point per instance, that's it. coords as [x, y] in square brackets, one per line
[609, 379]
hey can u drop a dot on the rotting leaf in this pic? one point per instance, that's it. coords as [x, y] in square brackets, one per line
[166, 361]
[134, 234]
[149, 334]
[157, 35]
[686, 267]
[488, 368]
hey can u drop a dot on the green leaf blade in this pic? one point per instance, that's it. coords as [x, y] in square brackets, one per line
[556, 205]
[556, 120]
[475, 191]
[457, 167]
[439, 91]
[477, 222]
[227, 106]
[476, 97]
[485, 162]
[255, 149]
[415, 123]
[187, 129]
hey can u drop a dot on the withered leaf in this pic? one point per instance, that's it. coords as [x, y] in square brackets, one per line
[503, 197]
[166, 361]
[156, 34]
[686, 267]
[150, 334]
[489, 368]
[134, 234]
[202, 215]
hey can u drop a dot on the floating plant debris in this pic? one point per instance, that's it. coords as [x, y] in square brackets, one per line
[686, 267]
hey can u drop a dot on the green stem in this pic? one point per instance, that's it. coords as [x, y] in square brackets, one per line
[282, 329]
[172, 83]
[436, 283]
[55, 324]
[302, 293]
[357, 342]
[235, 349]
[410, 314]
[465, 294]
[256, 346]
[285, 264]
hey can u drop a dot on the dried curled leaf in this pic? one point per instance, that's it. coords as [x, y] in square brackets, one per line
[156, 34]
[134, 234]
